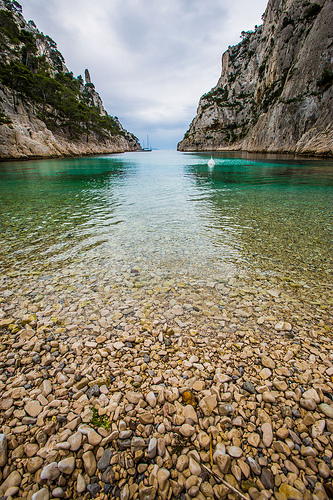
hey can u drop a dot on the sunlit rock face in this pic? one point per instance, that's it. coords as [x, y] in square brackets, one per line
[31, 124]
[275, 89]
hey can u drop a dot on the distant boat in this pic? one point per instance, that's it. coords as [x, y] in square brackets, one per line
[148, 147]
[211, 162]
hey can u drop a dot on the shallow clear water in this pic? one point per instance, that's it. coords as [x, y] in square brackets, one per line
[168, 214]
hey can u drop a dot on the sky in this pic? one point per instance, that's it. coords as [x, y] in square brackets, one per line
[150, 60]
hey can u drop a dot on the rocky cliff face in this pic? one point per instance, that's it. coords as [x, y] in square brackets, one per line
[44, 110]
[275, 90]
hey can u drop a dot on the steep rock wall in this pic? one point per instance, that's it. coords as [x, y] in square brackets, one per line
[32, 73]
[275, 90]
[26, 136]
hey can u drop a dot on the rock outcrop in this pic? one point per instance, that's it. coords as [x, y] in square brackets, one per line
[275, 90]
[44, 110]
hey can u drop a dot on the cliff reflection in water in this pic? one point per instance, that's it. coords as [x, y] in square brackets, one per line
[277, 214]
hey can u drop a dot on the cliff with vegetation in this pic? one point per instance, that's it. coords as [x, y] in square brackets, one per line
[275, 90]
[44, 110]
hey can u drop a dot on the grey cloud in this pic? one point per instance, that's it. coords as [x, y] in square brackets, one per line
[150, 60]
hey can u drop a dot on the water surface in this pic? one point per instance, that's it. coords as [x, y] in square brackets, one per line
[168, 216]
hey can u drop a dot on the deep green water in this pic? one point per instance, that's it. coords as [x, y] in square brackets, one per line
[168, 213]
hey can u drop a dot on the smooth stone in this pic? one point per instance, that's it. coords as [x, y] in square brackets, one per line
[282, 447]
[208, 405]
[282, 433]
[50, 471]
[254, 439]
[283, 326]
[94, 489]
[151, 399]
[249, 387]
[14, 479]
[267, 431]
[42, 494]
[204, 440]
[75, 441]
[33, 464]
[187, 430]
[80, 484]
[12, 491]
[308, 451]
[267, 479]
[89, 462]
[290, 492]
[58, 492]
[123, 444]
[326, 410]
[146, 418]
[152, 448]
[234, 451]
[133, 397]
[3, 450]
[189, 412]
[291, 467]
[324, 470]
[138, 442]
[93, 437]
[223, 462]
[280, 385]
[33, 408]
[265, 373]
[67, 465]
[194, 467]
[147, 492]
[313, 394]
[268, 397]
[318, 428]
[182, 463]
[226, 409]
[125, 493]
[104, 461]
[267, 362]
[162, 477]
[161, 447]
[308, 403]
[255, 467]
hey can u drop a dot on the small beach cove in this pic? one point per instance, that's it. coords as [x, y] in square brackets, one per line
[154, 309]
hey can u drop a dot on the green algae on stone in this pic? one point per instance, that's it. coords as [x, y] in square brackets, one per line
[100, 420]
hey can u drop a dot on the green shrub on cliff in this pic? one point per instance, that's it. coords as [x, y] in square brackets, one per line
[57, 98]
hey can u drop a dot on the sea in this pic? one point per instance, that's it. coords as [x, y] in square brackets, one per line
[165, 217]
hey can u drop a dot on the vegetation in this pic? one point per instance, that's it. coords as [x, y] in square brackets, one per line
[100, 420]
[326, 79]
[312, 11]
[59, 99]
[4, 119]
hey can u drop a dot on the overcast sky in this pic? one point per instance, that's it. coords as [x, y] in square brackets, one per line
[150, 60]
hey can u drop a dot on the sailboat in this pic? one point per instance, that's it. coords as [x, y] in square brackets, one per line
[211, 162]
[148, 147]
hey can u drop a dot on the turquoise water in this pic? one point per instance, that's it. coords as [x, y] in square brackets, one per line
[167, 213]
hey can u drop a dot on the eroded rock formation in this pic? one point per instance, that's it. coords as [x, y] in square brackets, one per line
[44, 110]
[275, 90]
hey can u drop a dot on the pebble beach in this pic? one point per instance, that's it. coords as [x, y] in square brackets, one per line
[142, 387]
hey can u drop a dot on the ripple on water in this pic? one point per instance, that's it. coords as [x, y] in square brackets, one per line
[170, 218]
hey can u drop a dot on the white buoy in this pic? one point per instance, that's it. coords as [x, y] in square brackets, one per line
[211, 162]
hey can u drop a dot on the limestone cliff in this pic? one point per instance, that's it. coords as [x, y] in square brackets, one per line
[275, 90]
[44, 110]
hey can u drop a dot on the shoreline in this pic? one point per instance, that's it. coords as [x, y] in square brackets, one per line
[172, 374]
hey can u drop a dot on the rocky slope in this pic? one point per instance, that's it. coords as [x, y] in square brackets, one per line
[275, 89]
[44, 110]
